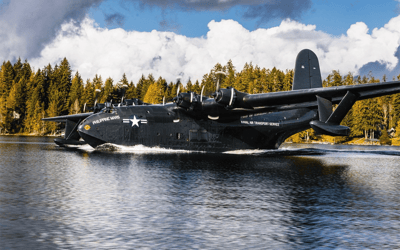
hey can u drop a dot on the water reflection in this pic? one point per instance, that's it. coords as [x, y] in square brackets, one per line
[56, 198]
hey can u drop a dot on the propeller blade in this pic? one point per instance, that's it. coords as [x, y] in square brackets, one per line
[219, 73]
[124, 87]
[97, 91]
[84, 108]
[178, 82]
[201, 96]
[232, 93]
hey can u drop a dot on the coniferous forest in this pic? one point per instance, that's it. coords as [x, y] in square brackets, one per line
[27, 96]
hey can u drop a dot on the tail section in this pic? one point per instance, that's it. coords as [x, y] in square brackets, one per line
[307, 74]
[329, 122]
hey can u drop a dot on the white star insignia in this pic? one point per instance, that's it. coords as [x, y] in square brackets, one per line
[135, 121]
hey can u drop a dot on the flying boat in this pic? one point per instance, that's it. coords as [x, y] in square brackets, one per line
[228, 120]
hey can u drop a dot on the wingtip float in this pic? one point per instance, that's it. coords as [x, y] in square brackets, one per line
[231, 120]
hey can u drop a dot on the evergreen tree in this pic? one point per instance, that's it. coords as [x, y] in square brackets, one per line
[231, 74]
[18, 70]
[55, 103]
[245, 78]
[197, 87]
[171, 92]
[131, 91]
[258, 82]
[35, 104]
[108, 90]
[395, 109]
[189, 86]
[155, 93]
[88, 94]
[209, 84]
[16, 105]
[348, 79]
[140, 87]
[75, 94]
[146, 85]
[98, 82]
[61, 81]
[6, 78]
[275, 80]
[4, 117]
[288, 80]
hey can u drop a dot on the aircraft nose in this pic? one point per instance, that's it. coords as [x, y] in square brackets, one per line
[90, 134]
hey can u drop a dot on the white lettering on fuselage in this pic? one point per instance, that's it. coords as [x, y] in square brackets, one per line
[248, 119]
[106, 119]
[274, 124]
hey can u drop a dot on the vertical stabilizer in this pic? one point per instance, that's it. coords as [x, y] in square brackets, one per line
[307, 73]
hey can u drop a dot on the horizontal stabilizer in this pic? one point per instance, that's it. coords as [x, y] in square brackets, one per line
[329, 129]
[328, 123]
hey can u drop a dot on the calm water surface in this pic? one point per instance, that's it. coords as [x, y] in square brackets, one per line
[327, 197]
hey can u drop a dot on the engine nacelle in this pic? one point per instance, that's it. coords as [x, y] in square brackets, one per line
[226, 97]
[187, 100]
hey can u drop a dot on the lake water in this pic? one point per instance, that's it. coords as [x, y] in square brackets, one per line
[345, 197]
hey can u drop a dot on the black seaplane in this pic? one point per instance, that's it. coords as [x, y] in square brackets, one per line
[230, 120]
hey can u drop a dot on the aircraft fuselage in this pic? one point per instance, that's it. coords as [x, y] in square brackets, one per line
[167, 126]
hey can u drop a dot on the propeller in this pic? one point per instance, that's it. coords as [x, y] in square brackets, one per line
[97, 92]
[124, 87]
[178, 83]
[201, 96]
[226, 96]
[219, 73]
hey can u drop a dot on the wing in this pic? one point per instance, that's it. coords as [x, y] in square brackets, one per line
[64, 118]
[71, 136]
[309, 97]
[228, 101]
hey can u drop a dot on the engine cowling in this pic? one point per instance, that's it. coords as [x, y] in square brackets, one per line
[187, 100]
[225, 97]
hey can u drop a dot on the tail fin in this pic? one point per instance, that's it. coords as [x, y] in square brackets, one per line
[307, 73]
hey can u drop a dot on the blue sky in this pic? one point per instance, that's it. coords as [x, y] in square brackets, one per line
[188, 37]
[331, 16]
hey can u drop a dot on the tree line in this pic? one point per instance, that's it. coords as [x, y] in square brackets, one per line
[27, 96]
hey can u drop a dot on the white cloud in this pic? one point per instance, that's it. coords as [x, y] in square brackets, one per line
[111, 52]
[26, 26]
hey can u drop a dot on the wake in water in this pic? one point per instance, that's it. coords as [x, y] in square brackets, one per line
[140, 149]
[283, 151]
[137, 149]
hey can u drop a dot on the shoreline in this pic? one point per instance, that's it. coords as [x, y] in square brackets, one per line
[30, 135]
